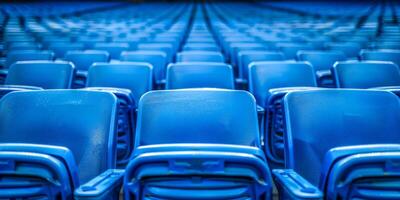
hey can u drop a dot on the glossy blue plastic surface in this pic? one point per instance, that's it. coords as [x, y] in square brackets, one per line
[44, 74]
[134, 76]
[87, 126]
[199, 74]
[354, 115]
[247, 57]
[199, 56]
[381, 55]
[366, 74]
[157, 59]
[82, 121]
[84, 59]
[25, 55]
[209, 153]
[264, 76]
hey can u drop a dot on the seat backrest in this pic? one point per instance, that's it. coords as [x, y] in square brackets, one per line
[114, 49]
[321, 60]
[290, 49]
[351, 49]
[212, 116]
[319, 120]
[137, 77]
[84, 59]
[276, 74]
[382, 55]
[61, 48]
[199, 74]
[199, 56]
[44, 74]
[201, 47]
[157, 59]
[83, 121]
[249, 56]
[25, 55]
[367, 74]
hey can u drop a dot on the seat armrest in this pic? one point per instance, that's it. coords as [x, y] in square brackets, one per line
[105, 186]
[293, 186]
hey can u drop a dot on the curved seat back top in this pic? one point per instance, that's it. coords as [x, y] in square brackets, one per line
[382, 55]
[366, 74]
[200, 56]
[356, 117]
[82, 121]
[321, 60]
[137, 77]
[277, 74]
[114, 48]
[84, 59]
[199, 74]
[44, 74]
[249, 56]
[26, 55]
[209, 116]
[158, 59]
[351, 49]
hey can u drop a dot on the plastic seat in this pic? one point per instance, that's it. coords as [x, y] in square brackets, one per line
[167, 48]
[157, 59]
[43, 74]
[58, 144]
[26, 55]
[366, 74]
[114, 49]
[128, 81]
[199, 56]
[381, 55]
[269, 82]
[352, 50]
[61, 48]
[347, 155]
[290, 49]
[201, 47]
[247, 57]
[322, 61]
[82, 61]
[199, 74]
[214, 154]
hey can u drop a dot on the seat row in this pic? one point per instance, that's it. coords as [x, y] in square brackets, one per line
[63, 144]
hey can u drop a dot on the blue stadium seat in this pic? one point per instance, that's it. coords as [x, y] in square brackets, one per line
[199, 74]
[114, 49]
[213, 154]
[249, 56]
[128, 81]
[199, 56]
[347, 155]
[201, 47]
[157, 59]
[269, 82]
[23, 46]
[58, 144]
[61, 48]
[351, 49]
[322, 61]
[366, 74]
[26, 55]
[290, 49]
[43, 74]
[82, 61]
[167, 48]
[382, 55]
